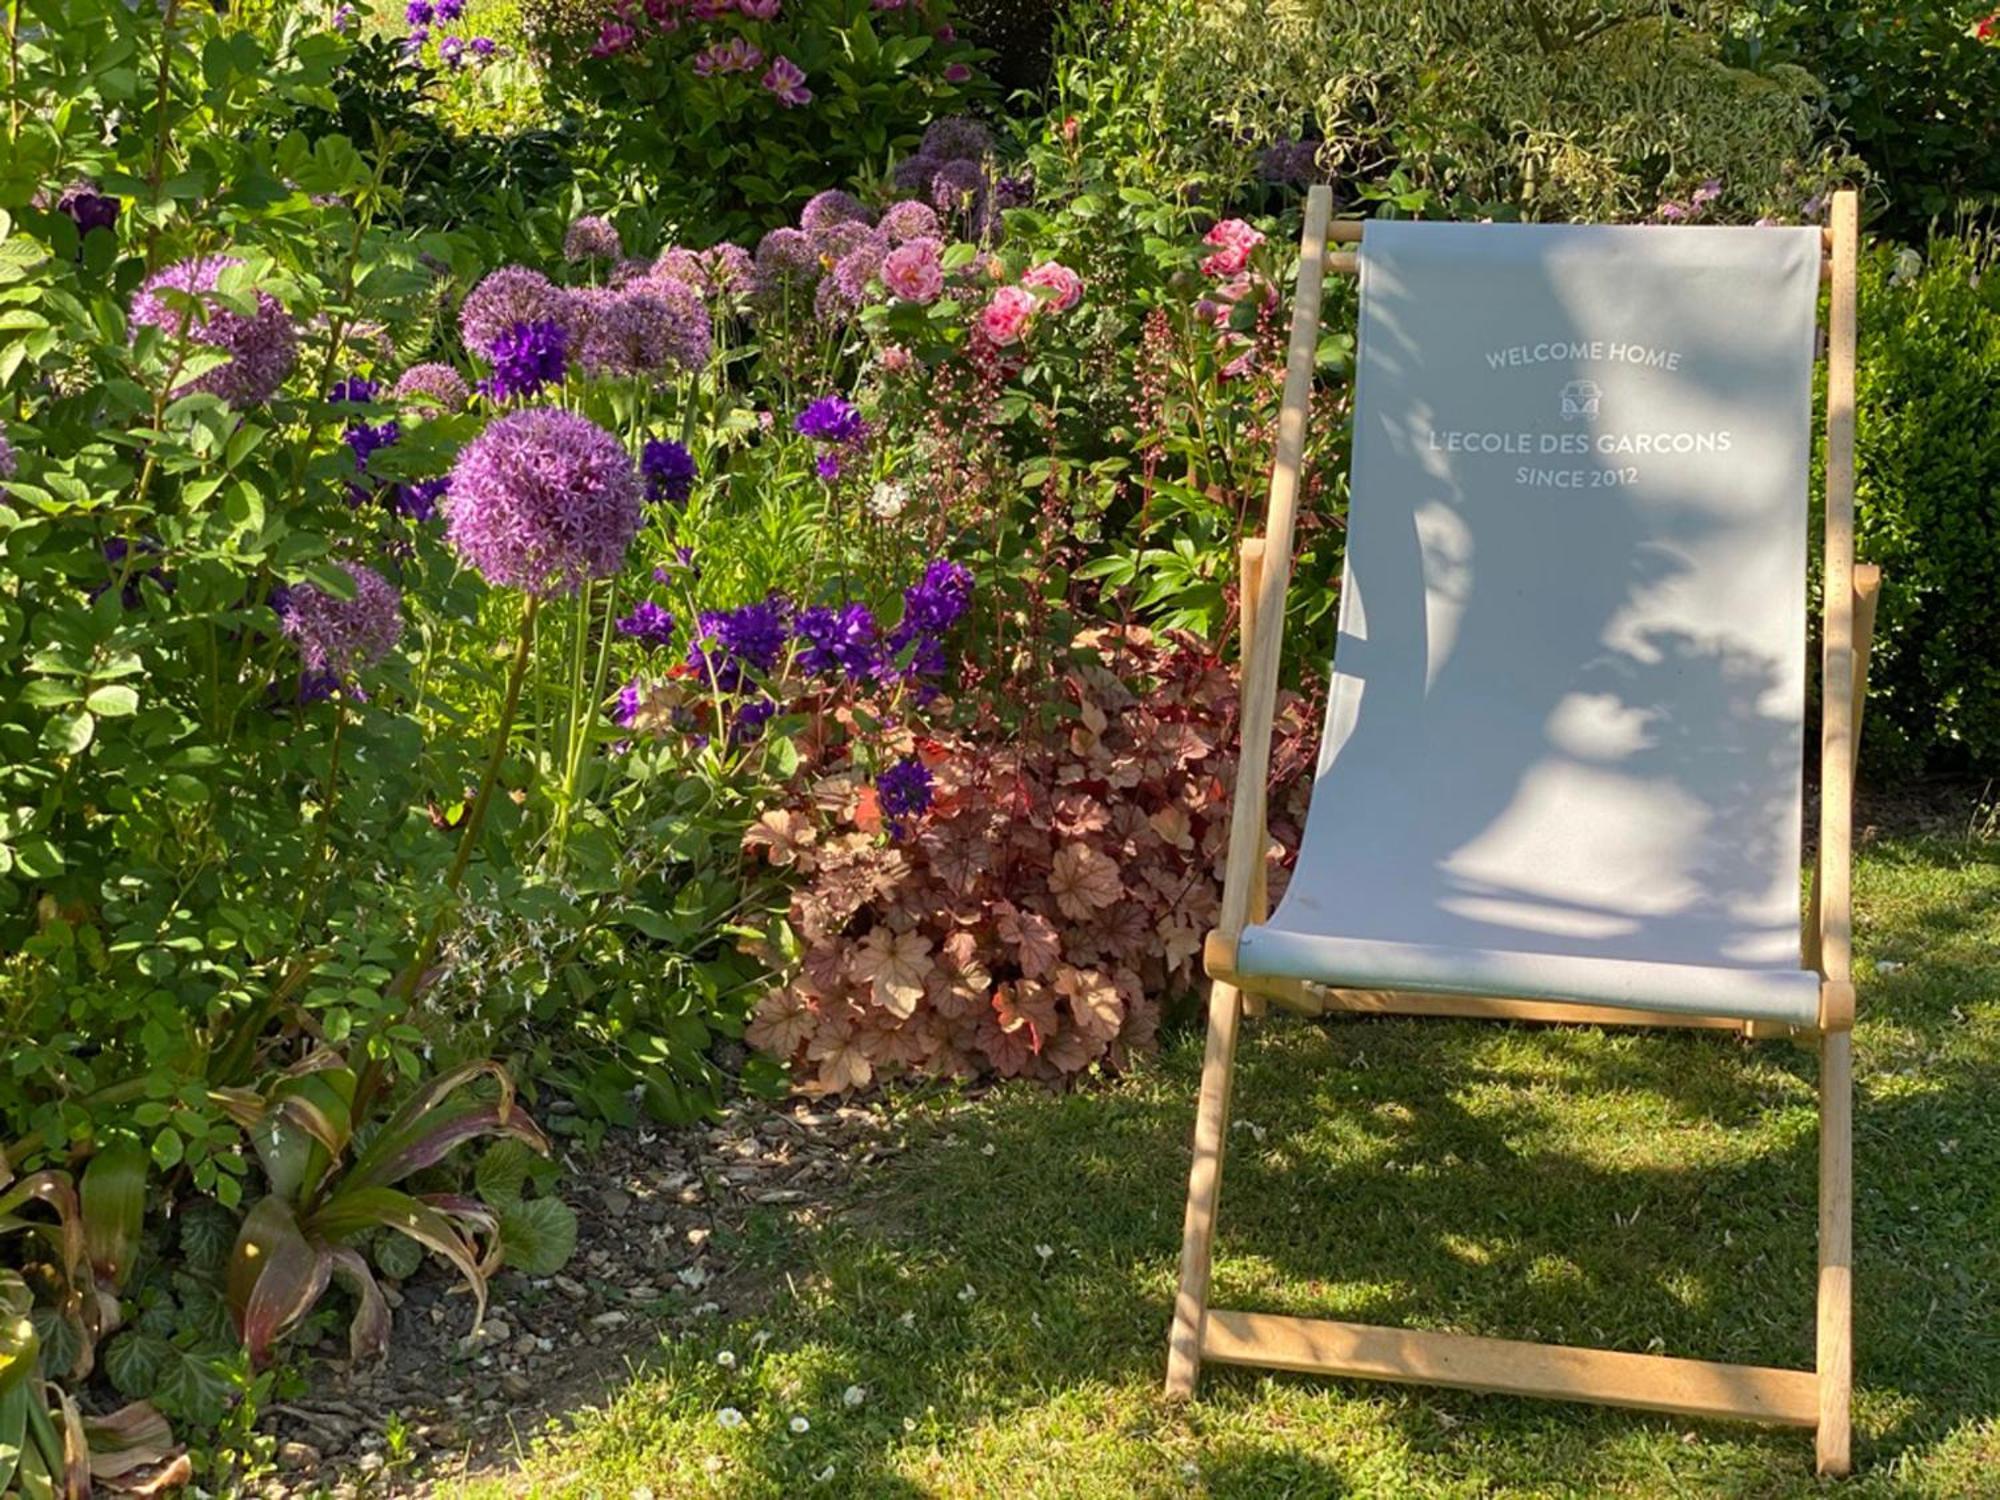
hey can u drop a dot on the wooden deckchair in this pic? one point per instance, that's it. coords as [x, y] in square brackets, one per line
[1818, 1398]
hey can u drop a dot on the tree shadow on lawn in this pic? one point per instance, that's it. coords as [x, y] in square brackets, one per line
[1639, 1191]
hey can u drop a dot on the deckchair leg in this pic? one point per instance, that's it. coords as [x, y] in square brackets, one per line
[1835, 1359]
[1211, 1129]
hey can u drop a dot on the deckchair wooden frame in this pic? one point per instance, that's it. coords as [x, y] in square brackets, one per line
[1818, 1398]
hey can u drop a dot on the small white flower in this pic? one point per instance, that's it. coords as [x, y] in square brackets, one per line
[966, 1292]
[712, 1464]
[888, 500]
[799, 1426]
[726, 1359]
[908, 1320]
[729, 1418]
[909, 1424]
[1190, 1470]
[854, 1395]
[1036, 1319]
[1886, 966]
[824, 1475]
[1046, 1252]
[988, 1149]
[642, 1492]
[760, 1338]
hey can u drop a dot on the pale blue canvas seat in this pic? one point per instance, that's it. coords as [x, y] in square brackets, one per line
[1564, 737]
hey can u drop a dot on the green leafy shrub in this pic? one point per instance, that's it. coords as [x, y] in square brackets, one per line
[735, 119]
[1915, 89]
[1927, 438]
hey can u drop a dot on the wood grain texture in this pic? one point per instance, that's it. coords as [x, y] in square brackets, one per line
[1650, 1382]
[1211, 1133]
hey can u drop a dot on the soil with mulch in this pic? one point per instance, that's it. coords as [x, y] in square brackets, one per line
[666, 1222]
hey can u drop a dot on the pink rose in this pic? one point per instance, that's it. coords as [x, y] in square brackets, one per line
[1234, 240]
[912, 272]
[1005, 318]
[1064, 285]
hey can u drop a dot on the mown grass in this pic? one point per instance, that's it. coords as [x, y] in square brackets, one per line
[1001, 1292]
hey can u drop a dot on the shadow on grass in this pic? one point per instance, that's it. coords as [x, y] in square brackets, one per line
[1003, 1292]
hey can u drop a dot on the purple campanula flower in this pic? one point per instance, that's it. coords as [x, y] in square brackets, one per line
[449, 10]
[419, 12]
[904, 791]
[730, 643]
[525, 358]
[938, 600]
[357, 390]
[669, 470]
[482, 46]
[831, 419]
[649, 624]
[419, 498]
[750, 721]
[262, 345]
[626, 709]
[542, 500]
[343, 636]
[366, 441]
[841, 639]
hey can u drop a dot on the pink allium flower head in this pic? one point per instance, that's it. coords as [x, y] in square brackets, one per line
[680, 265]
[1004, 319]
[1064, 285]
[542, 500]
[956, 138]
[510, 295]
[833, 241]
[642, 326]
[592, 237]
[1234, 240]
[856, 271]
[729, 270]
[786, 81]
[434, 385]
[262, 346]
[344, 636]
[785, 257]
[909, 220]
[911, 271]
[824, 210]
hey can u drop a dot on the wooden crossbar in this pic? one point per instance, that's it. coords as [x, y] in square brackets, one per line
[1818, 1399]
[1559, 1372]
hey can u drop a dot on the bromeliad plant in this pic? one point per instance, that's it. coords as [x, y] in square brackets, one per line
[333, 1187]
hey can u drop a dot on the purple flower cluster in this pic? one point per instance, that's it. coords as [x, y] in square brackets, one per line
[434, 385]
[651, 625]
[262, 345]
[643, 326]
[668, 469]
[838, 639]
[730, 644]
[592, 237]
[542, 500]
[510, 295]
[87, 208]
[10, 461]
[526, 357]
[904, 791]
[1288, 161]
[950, 172]
[343, 636]
[831, 419]
[419, 499]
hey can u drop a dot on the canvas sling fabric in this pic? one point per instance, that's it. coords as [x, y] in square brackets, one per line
[1564, 737]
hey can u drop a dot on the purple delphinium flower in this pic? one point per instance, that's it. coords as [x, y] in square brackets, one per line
[729, 643]
[343, 636]
[525, 358]
[263, 346]
[831, 419]
[837, 639]
[87, 208]
[669, 470]
[592, 237]
[831, 207]
[750, 721]
[433, 384]
[510, 295]
[419, 498]
[542, 500]
[904, 791]
[651, 625]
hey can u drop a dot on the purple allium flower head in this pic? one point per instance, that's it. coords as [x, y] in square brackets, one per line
[957, 185]
[855, 272]
[904, 791]
[1287, 160]
[785, 258]
[419, 12]
[785, 81]
[680, 320]
[669, 470]
[936, 602]
[87, 208]
[680, 265]
[909, 220]
[343, 636]
[649, 624]
[730, 643]
[831, 419]
[831, 207]
[832, 241]
[510, 295]
[1017, 191]
[914, 173]
[451, 51]
[542, 500]
[841, 639]
[592, 237]
[10, 461]
[262, 345]
[957, 138]
[525, 358]
[729, 270]
[435, 385]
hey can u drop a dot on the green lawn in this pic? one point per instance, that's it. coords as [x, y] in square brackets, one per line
[1001, 1292]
